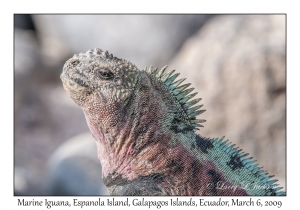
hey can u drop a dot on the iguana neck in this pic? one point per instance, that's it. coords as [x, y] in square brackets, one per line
[142, 142]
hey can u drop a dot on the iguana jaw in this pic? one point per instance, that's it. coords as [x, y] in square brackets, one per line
[73, 84]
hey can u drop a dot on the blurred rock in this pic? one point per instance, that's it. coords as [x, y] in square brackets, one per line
[26, 182]
[43, 116]
[21, 185]
[26, 52]
[24, 21]
[237, 65]
[74, 168]
[143, 39]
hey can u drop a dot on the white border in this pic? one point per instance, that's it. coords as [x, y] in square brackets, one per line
[6, 112]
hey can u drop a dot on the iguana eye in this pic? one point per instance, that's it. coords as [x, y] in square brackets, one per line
[105, 74]
[75, 62]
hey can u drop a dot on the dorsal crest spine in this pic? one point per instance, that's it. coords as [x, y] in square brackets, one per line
[180, 93]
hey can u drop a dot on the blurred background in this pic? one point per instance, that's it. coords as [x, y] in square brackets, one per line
[237, 63]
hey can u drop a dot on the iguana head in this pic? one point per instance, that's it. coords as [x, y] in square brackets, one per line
[100, 83]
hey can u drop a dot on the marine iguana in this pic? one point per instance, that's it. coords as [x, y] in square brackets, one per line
[144, 123]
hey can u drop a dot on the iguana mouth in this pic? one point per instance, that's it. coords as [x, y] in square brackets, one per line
[73, 83]
[80, 82]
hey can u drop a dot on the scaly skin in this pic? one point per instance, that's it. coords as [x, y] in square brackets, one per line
[144, 126]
